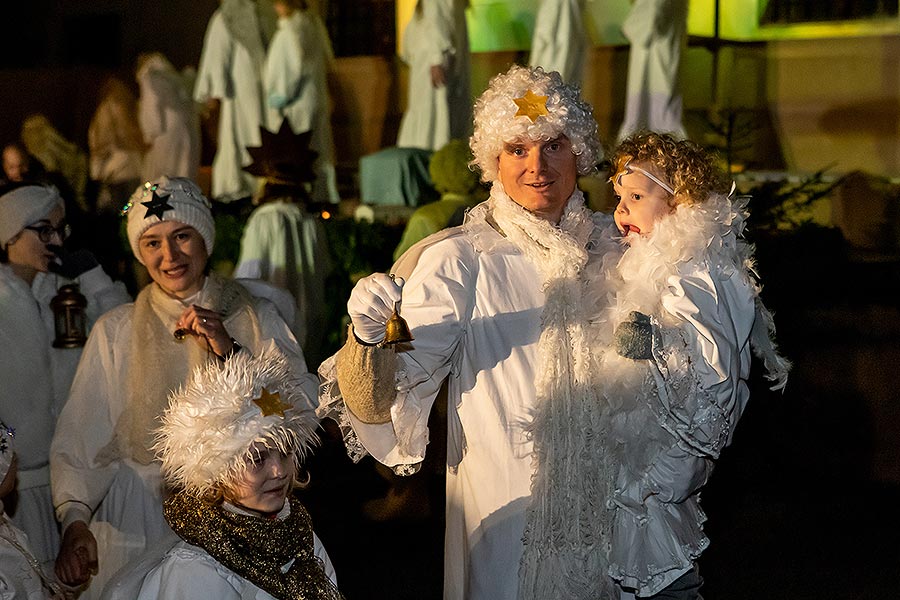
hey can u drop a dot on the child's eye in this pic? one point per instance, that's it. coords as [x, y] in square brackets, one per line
[617, 197]
[636, 196]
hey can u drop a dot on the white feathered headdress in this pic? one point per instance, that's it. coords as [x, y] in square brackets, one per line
[212, 422]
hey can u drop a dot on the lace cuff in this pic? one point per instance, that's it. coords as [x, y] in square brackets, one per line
[396, 409]
[331, 405]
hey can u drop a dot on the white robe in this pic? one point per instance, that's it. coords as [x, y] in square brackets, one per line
[188, 572]
[231, 73]
[296, 88]
[672, 415]
[125, 495]
[436, 36]
[657, 30]
[37, 376]
[169, 123]
[560, 40]
[474, 303]
[285, 246]
[18, 578]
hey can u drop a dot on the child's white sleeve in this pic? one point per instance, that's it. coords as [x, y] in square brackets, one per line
[703, 361]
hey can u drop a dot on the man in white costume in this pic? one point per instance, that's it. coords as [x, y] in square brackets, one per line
[230, 76]
[560, 41]
[436, 48]
[657, 30]
[35, 375]
[106, 482]
[498, 313]
[168, 119]
[296, 84]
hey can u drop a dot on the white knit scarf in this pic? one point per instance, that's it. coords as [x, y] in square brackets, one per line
[566, 525]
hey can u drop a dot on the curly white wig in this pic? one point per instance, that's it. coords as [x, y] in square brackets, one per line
[212, 422]
[496, 123]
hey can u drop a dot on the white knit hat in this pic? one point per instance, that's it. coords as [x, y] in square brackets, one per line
[6, 449]
[24, 206]
[169, 199]
[212, 422]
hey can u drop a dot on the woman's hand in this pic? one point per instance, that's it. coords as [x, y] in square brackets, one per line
[208, 328]
[77, 559]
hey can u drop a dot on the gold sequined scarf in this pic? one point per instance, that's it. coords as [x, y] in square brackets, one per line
[256, 548]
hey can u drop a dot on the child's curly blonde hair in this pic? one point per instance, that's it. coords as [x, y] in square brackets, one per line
[687, 167]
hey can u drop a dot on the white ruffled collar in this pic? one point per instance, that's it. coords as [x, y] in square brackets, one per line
[708, 233]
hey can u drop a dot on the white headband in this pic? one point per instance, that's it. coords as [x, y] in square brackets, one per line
[629, 168]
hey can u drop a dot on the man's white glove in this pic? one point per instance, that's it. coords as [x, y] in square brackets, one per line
[370, 305]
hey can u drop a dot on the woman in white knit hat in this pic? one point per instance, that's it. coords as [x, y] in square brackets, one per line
[107, 486]
[36, 375]
[231, 444]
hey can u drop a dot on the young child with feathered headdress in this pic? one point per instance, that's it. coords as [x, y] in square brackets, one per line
[231, 444]
[684, 315]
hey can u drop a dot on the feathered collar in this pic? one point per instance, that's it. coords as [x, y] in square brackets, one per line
[707, 234]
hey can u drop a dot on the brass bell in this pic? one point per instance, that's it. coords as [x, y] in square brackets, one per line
[396, 329]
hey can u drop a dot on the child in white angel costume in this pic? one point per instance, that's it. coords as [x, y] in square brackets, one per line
[683, 319]
[231, 443]
[21, 574]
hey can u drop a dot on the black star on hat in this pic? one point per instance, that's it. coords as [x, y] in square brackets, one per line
[157, 205]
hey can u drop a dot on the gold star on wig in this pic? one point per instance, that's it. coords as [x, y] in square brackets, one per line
[531, 105]
[271, 404]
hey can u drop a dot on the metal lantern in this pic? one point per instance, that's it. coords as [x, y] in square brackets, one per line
[69, 317]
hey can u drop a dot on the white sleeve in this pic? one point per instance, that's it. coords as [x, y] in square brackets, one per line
[283, 68]
[188, 574]
[700, 366]
[704, 359]
[87, 421]
[102, 292]
[436, 305]
[322, 554]
[214, 73]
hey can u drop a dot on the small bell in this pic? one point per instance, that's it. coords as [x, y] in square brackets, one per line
[396, 329]
[69, 318]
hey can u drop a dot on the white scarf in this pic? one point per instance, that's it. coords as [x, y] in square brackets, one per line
[566, 528]
[159, 364]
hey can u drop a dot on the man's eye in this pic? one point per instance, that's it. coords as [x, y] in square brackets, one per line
[554, 146]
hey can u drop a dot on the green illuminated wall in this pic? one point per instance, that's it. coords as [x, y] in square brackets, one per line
[507, 25]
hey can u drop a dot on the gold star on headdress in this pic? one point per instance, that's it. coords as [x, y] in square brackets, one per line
[271, 404]
[531, 105]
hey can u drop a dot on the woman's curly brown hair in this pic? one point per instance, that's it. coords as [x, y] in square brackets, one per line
[686, 166]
